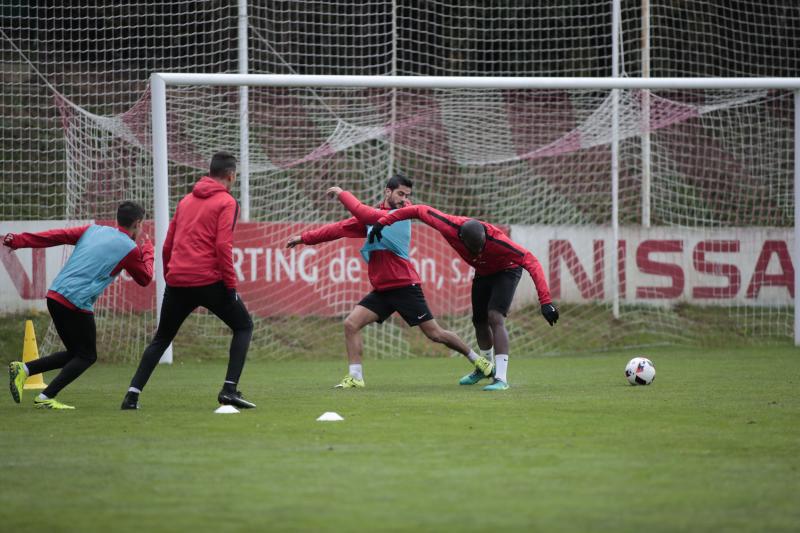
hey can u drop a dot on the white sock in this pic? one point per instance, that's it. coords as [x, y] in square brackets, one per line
[501, 366]
[356, 371]
[25, 368]
[489, 354]
[42, 397]
[472, 356]
[134, 389]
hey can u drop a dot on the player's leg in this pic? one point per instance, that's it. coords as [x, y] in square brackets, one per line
[410, 303]
[178, 303]
[438, 334]
[62, 321]
[230, 308]
[504, 285]
[19, 371]
[481, 291]
[77, 331]
[496, 322]
[370, 309]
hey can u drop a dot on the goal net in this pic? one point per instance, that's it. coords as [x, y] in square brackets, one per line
[715, 180]
[714, 263]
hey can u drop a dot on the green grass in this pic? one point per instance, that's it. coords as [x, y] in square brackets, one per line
[711, 446]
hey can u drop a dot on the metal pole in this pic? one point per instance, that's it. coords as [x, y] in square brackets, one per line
[615, 25]
[244, 124]
[796, 215]
[393, 116]
[158, 113]
[646, 160]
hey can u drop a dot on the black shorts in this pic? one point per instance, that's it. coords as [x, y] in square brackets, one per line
[494, 292]
[408, 301]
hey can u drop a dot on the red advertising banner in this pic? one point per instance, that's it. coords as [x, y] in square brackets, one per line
[323, 280]
[654, 266]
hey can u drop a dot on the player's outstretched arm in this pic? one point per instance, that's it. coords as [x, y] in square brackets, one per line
[294, 241]
[404, 213]
[365, 214]
[348, 228]
[44, 239]
[447, 225]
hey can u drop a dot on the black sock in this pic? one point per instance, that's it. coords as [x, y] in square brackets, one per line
[229, 387]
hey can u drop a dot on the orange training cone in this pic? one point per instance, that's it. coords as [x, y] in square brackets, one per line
[30, 352]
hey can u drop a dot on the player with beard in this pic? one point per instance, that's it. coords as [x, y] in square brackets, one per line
[498, 262]
[395, 282]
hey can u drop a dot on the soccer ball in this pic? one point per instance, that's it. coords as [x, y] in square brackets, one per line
[640, 371]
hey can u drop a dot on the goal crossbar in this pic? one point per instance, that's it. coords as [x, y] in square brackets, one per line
[472, 82]
[160, 81]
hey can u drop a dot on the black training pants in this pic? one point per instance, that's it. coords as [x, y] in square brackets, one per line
[178, 303]
[79, 335]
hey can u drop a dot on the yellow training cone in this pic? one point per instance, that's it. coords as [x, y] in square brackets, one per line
[30, 352]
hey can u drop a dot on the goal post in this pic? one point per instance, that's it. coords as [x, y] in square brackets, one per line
[159, 106]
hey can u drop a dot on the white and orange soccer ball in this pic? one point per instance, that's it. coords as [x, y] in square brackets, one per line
[640, 371]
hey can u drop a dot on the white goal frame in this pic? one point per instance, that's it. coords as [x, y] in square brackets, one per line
[160, 81]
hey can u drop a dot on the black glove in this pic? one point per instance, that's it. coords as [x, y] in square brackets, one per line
[375, 233]
[550, 313]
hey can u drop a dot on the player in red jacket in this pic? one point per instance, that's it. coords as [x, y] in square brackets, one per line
[198, 268]
[395, 282]
[498, 262]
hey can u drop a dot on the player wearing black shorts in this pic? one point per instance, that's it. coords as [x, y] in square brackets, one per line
[409, 302]
[494, 292]
[395, 281]
[498, 262]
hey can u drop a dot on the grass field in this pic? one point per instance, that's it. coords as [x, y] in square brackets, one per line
[710, 446]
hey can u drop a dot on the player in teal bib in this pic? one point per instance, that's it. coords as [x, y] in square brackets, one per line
[395, 282]
[398, 242]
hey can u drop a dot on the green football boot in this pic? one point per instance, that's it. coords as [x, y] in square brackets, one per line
[349, 382]
[472, 378]
[484, 366]
[496, 384]
[50, 403]
[17, 377]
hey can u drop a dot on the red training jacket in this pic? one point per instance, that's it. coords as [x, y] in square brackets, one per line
[138, 263]
[499, 253]
[385, 269]
[199, 246]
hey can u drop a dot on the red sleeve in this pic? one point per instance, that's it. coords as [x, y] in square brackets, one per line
[364, 213]
[447, 225]
[404, 213]
[225, 224]
[534, 268]
[139, 264]
[45, 239]
[330, 232]
[166, 250]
